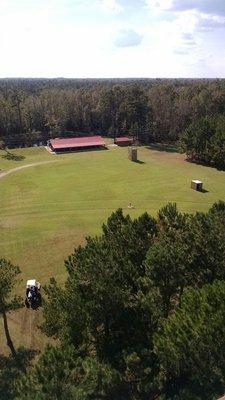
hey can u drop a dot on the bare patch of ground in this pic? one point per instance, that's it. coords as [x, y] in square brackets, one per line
[24, 329]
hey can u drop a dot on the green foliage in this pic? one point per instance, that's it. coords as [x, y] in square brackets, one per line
[8, 302]
[8, 279]
[189, 251]
[102, 309]
[204, 140]
[100, 297]
[149, 109]
[64, 374]
[124, 108]
[209, 249]
[189, 345]
[12, 372]
[2, 144]
[125, 285]
[218, 143]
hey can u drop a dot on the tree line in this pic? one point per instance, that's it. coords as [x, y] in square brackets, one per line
[34, 110]
[141, 315]
[204, 140]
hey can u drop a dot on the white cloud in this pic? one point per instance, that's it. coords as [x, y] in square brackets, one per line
[128, 38]
[188, 39]
[194, 14]
[208, 22]
[206, 6]
[160, 4]
[110, 5]
[182, 52]
[196, 21]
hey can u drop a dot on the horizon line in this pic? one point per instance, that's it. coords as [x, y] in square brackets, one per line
[105, 78]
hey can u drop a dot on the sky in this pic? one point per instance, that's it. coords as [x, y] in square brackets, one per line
[112, 38]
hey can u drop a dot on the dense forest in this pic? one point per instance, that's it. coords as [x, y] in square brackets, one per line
[141, 315]
[191, 112]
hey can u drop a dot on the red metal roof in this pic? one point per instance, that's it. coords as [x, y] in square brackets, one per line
[124, 139]
[87, 141]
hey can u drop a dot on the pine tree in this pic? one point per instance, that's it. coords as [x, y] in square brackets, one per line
[8, 302]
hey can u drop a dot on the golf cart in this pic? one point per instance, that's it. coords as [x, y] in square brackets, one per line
[33, 296]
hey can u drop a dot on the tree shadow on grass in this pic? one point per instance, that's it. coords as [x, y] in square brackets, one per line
[12, 369]
[13, 157]
[22, 360]
[204, 164]
[168, 148]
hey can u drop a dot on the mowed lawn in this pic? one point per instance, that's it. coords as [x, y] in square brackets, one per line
[47, 210]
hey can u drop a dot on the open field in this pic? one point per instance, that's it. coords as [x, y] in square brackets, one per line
[48, 209]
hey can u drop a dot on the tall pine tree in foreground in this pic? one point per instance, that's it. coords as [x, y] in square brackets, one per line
[8, 301]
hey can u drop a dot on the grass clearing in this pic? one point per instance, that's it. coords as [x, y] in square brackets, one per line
[47, 210]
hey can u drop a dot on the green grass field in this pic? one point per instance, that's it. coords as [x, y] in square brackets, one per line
[47, 210]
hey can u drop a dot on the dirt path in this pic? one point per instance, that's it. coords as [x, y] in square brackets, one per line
[29, 321]
[24, 322]
[11, 171]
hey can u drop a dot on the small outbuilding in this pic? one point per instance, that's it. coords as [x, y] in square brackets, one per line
[132, 154]
[196, 184]
[124, 141]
